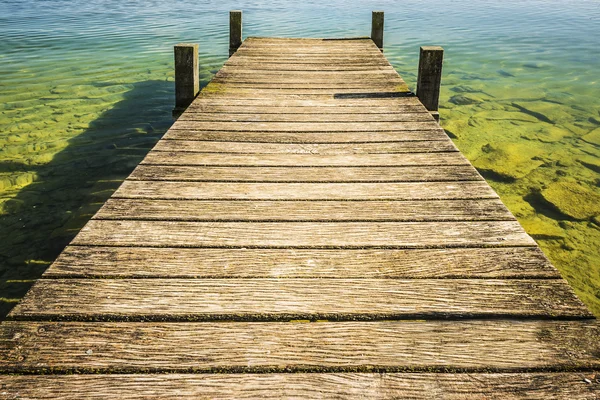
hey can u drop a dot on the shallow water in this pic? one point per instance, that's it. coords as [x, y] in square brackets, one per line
[86, 89]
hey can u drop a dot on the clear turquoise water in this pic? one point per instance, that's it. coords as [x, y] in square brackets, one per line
[86, 88]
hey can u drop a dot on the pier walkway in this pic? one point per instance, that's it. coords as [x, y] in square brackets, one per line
[305, 229]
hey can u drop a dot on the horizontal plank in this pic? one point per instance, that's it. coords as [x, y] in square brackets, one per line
[309, 58]
[310, 67]
[305, 174]
[306, 160]
[236, 108]
[318, 88]
[308, 137]
[140, 262]
[292, 299]
[236, 69]
[305, 191]
[305, 118]
[484, 346]
[364, 102]
[305, 126]
[236, 73]
[303, 234]
[367, 386]
[198, 146]
[223, 210]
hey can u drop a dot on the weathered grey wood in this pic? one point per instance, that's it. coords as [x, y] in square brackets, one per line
[302, 118]
[187, 82]
[484, 346]
[305, 191]
[242, 108]
[140, 262]
[235, 30]
[306, 160]
[377, 28]
[430, 76]
[199, 146]
[303, 234]
[305, 126]
[218, 90]
[326, 104]
[305, 174]
[367, 386]
[227, 69]
[309, 138]
[222, 210]
[293, 298]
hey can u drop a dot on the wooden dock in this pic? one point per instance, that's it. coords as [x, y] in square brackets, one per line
[304, 230]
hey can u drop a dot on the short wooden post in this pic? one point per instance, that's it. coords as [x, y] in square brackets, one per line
[377, 28]
[235, 30]
[187, 82]
[430, 78]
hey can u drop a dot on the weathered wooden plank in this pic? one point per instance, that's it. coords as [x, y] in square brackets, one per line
[224, 210]
[231, 90]
[303, 234]
[311, 67]
[490, 346]
[304, 118]
[258, 109]
[367, 386]
[199, 146]
[321, 103]
[306, 126]
[350, 73]
[318, 88]
[140, 262]
[293, 298]
[305, 191]
[314, 59]
[305, 174]
[306, 160]
[308, 137]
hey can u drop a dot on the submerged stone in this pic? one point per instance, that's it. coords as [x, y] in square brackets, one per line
[593, 137]
[573, 200]
[547, 134]
[551, 113]
[508, 161]
[592, 163]
[465, 99]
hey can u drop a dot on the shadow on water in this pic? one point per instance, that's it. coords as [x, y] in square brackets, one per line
[45, 215]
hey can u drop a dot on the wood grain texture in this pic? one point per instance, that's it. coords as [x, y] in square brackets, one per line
[305, 191]
[308, 137]
[326, 104]
[367, 386]
[306, 160]
[484, 346]
[141, 262]
[295, 298]
[305, 117]
[303, 234]
[240, 107]
[198, 146]
[305, 126]
[224, 210]
[306, 174]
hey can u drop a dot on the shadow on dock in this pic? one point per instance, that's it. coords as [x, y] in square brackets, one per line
[45, 215]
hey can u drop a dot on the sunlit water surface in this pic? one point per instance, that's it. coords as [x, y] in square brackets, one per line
[86, 88]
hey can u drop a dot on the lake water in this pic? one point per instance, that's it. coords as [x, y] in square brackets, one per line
[86, 89]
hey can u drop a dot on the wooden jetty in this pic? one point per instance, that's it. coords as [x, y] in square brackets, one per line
[304, 230]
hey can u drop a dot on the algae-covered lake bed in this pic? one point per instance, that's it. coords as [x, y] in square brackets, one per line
[86, 89]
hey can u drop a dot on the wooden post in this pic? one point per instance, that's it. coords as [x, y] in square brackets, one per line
[430, 78]
[235, 30]
[377, 28]
[187, 82]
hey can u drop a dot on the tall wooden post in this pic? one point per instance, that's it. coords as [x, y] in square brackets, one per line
[377, 28]
[235, 31]
[430, 78]
[187, 82]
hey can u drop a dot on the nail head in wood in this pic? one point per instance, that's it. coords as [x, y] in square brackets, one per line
[187, 82]
[235, 30]
[430, 76]
[377, 28]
